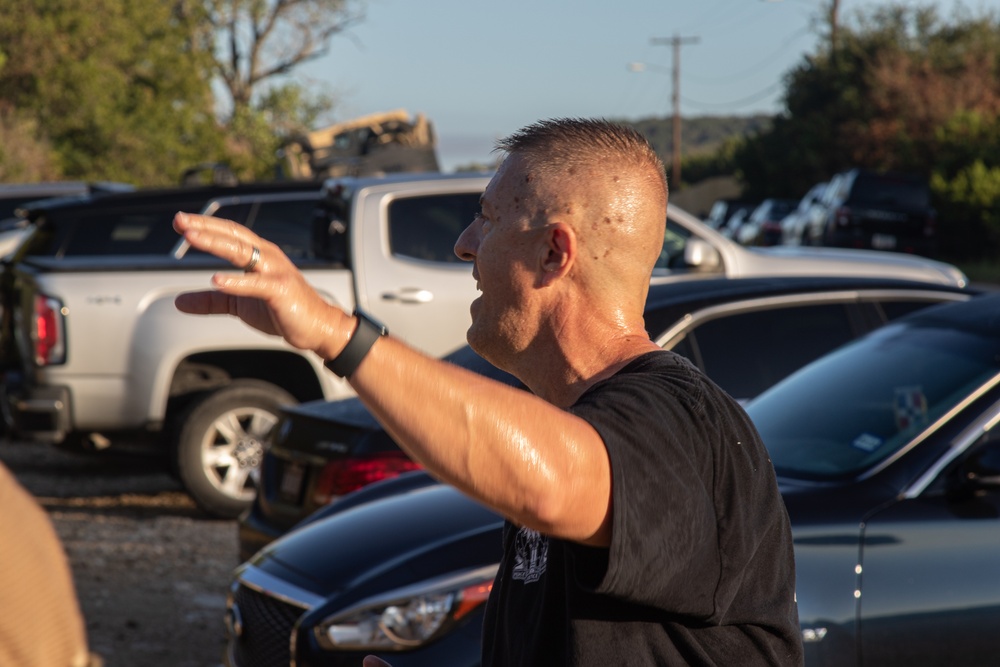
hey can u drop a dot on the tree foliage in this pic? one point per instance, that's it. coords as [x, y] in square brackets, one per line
[901, 89]
[258, 41]
[256, 44]
[113, 85]
[256, 133]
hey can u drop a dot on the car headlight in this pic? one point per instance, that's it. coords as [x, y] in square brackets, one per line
[408, 617]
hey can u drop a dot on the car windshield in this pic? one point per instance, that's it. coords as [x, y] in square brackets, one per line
[854, 408]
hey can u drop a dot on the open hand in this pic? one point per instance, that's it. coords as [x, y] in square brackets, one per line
[271, 295]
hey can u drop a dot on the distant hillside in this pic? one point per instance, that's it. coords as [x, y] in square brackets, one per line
[700, 134]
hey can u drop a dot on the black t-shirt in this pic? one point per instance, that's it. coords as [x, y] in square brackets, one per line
[700, 569]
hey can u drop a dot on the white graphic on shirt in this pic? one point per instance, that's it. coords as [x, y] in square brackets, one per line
[531, 553]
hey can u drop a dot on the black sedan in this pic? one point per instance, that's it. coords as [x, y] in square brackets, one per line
[745, 334]
[888, 459]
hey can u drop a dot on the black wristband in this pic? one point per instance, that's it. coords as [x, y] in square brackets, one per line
[367, 332]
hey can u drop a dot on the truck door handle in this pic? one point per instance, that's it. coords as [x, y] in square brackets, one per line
[409, 295]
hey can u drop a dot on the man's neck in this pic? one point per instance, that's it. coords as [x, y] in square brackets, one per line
[563, 374]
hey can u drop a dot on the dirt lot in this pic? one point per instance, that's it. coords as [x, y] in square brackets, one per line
[151, 570]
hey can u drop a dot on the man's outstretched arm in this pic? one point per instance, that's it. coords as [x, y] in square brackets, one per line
[539, 465]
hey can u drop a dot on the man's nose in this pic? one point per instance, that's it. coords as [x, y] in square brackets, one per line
[467, 244]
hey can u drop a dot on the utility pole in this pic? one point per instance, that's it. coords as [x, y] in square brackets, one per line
[834, 10]
[675, 160]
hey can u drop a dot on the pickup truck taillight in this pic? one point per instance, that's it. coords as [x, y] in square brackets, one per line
[49, 333]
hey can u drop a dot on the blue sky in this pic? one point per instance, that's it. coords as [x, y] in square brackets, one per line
[480, 70]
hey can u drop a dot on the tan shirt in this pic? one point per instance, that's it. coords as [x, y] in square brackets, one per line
[40, 620]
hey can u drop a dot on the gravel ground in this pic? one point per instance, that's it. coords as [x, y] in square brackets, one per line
[151, 570]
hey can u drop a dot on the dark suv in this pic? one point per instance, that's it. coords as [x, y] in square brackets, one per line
[878, 211]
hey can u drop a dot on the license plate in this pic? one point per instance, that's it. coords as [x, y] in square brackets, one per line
[291, 481]
[883, 241]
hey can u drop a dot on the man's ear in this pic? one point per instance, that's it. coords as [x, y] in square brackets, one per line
[558, 251]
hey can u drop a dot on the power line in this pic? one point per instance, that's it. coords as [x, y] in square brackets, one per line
[711, 10]
[750, 99]
[766, 61]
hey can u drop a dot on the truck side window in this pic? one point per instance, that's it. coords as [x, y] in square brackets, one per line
[136, 232]
[427, 227]
[288, 224]
[235, 212]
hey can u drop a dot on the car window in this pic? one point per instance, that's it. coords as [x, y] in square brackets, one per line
[427, 227]
[140, 231]
[857, 406]
[235, 212]
[890, 192]
[896, 309]
[288, 224]
[746, 353]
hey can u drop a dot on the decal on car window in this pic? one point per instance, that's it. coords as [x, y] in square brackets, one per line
[909, 406]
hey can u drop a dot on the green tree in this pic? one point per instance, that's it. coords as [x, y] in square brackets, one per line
[24, 155]
[116, 86]
[257, 44]
[966, 183]
[257, 132]
[877, 99]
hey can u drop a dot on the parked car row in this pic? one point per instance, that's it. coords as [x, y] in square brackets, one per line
[400, 566]
[205, 391]
[888, 459]
[858, 208]
[350, 549]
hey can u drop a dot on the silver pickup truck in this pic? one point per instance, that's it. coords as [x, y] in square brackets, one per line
[94, 351]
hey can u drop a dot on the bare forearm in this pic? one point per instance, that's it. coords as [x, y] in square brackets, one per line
[537, 464]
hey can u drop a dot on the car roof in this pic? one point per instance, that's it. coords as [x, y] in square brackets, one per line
[356, 182]
[157, 196]
[727, 289]
[54, 188]
[667, 301]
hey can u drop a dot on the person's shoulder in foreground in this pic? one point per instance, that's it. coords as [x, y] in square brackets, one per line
[40, 620]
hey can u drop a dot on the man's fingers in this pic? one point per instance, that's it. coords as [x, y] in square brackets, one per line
[209, 302]
[223, 238]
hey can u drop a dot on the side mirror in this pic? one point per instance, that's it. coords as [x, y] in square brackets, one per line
[701, 256]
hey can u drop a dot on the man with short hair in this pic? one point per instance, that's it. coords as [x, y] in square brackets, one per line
[644, 524]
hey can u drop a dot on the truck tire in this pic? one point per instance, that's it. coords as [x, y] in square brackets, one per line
[220, 444]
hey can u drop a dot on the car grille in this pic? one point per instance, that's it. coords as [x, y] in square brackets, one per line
[267, 629]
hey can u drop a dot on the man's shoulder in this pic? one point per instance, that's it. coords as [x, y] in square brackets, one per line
[667, 370]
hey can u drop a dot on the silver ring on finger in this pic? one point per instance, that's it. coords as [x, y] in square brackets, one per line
[254, 258]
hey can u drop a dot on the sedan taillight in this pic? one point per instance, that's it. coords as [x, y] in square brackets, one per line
[49, 333]
[930, 225]
[344, 476]
[843, 216]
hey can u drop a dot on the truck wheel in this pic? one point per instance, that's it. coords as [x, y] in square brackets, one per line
[220, 444]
